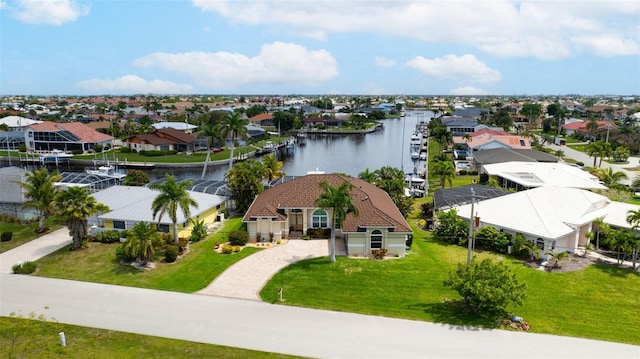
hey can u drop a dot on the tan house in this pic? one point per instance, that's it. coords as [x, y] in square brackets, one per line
[289, 209]
[164, 139]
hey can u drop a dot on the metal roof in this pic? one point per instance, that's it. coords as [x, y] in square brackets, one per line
[457, 196]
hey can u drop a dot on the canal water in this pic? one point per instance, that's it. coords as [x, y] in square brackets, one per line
[348, 154]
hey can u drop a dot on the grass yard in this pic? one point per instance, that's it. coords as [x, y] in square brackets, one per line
[600, 302]
[23, 233]
[98, 263]
[21, 338]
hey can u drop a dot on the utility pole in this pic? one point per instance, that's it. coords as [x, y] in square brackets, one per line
[471, 225]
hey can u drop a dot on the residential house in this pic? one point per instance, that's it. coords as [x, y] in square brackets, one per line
[68, 136]
[490, 140]
[580, 128]
[262, 120]
[129, 205]
[290, 207]
[459, 126]
[180, 126]
[500, 155]
[164, 139]
[557, 218]
[12, 195]
[18, 123]
[525, 175]
[324, 122]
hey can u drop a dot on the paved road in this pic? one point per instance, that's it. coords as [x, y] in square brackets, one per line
[588, 161]
[276, 328]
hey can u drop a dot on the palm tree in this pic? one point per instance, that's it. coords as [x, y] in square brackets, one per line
[592, 127]
[214, 132]
[609, 177]
[75, 205]
[602, 228]
[173, 196]
[593, 149]
[272, 168]
[442, 135]
[40, 190]
[236, 127]
[445, 171]
[339, 201]
[605, 151]
[142, 241]
[367, 176]
[633, 218]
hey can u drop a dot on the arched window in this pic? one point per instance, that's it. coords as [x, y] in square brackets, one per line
[376, 239]
[319, 219]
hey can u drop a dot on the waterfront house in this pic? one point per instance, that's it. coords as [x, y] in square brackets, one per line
[525, 175]
[164, 139]
[553, 217]
[129, 205]
[68, 136]
[262, 120]
[289, 210]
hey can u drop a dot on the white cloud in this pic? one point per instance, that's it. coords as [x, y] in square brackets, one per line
[542, 29]
[607, 46]
[468, 91]
[383, 62]
[49, 12]
[466, 68]
[277, 62]
[133, 84]
[3, 5]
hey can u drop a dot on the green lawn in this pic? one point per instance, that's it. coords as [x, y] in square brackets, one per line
[599, 302]
[98, 263]
[37, 339]
[23, 233]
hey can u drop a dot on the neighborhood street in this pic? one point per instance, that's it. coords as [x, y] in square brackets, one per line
[278, 328]
[257, 325]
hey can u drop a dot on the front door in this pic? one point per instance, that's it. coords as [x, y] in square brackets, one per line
[295, 221]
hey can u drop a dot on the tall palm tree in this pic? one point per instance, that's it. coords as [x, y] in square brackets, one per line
[593, 149]
[40, 190]
[592, 127]
[272, 168]
[236, 127]
[633, 218]
[442, 135]
[173, 196]
[605, 151]
[142, 241]
[339, 201]
[445, 172]
[75, 205]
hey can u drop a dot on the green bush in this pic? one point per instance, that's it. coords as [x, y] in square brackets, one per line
[463, 172]
[199, 230]
[78, 151]
[183, 243]
[6, 236]
[123, 256]
[98, 148]
[110, 236]
[319, 232]
[171, 253]
[225, 249]
[378, 254]
[22, 148]
[25, 268]
[473, 173]
[238, 238]
[125, 150]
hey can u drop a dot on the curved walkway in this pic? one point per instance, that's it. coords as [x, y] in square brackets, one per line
[245, 279]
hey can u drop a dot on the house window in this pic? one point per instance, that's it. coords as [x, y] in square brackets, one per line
[376, 239]
[118, 225]
[522, 143]
[540, 243]
[163, 228]
[319, 219]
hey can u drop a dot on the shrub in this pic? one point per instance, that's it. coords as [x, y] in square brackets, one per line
[6, 236]
[78, 151]
[378, 254]
[484, 177]
[123, 256]
[25, 268]
[171, 253]
[166, 238]
[183, 243]
[199, 230]
[581, 164]
[225, 249]
[473, 173]
[319, 232]
[98, 148]
[463, 172]
[236, 249]
[238, 238]
[22, 148]
[110, 236]
[125, 150]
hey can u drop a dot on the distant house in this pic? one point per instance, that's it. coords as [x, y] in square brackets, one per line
[324, 121]
[164, 139]
[489, 140]
[580, 127]
[18, 123]
[129, 205]
[68, 136]
[289, 208]
[475, 113]
[180, 126]
[12, 195]
[262, 120]
[556, 218]
[500, 155]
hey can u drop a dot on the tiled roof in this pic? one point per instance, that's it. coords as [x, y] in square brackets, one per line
[84, 132]
[375, 207]
[261, 117]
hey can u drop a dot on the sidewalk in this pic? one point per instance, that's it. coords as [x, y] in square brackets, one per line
[34, 249]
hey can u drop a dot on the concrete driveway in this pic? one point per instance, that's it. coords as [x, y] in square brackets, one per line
[245, 279]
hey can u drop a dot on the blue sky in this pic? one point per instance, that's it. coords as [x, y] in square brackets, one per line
[73, 47]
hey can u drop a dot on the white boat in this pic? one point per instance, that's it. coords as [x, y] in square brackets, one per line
[414, 155]
[55, 156]
[107, 171]
[302, 138]
[423, 156]
[268, 147]
[290, 144]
